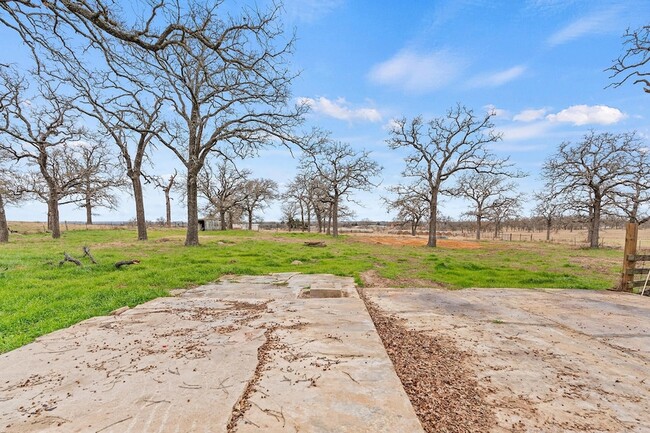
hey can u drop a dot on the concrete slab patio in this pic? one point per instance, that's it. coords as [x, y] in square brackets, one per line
[550, 360]
[246, 354]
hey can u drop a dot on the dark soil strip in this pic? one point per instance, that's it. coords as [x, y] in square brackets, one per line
[443, 391]
[263, 357]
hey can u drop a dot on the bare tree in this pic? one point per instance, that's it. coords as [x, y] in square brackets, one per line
[590, 171]
[632, 64]
[151, 26]
[167, 185]
[100, 177]
[632, 199]
[341, 170]
[35, 129]
[9, 193]
[504, 208]
[411, 203]
[550, 206]
[223, 189]
[451, 144]
[289, 213]
[128, 112]
[490, 196]
[229, 92]
[300, 192]
[311, 195]
[257, 193]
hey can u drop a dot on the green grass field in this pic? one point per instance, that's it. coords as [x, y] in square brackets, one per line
[38, 296]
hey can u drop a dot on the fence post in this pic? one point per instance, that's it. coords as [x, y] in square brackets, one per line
[631, 239]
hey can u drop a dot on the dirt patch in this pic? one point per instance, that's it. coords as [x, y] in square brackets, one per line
[590, 264]
[443, 391]
[371, 278]
[416, 241]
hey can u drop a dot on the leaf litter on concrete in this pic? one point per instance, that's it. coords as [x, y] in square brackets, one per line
[444, 393]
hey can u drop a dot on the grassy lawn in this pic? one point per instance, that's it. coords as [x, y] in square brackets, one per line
[38, 296]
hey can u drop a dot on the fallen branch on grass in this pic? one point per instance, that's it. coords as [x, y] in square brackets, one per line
[90, 256]
[118, 265]
[69, 258]
[315, 244]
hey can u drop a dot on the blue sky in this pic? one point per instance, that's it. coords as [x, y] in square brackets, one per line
[540, 64]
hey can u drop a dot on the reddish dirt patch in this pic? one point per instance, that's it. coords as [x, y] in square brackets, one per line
[416, 241]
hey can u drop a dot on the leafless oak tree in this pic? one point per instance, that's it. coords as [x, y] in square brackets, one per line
[590, 171]
[128, 113]
[229, 90]
[34, 129]
[256, 195]
[100, 176]
[341, 170]
[550, 206]
[491, 196]
[223, 189]
[152, 25]
[167, 185]
[444, 147]
[411, 203]
[9, 193]
[632, 64]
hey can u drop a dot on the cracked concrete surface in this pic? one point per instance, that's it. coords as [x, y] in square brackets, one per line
[244, 354]
[551, 360]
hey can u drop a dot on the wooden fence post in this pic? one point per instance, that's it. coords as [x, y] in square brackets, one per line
[631, 239]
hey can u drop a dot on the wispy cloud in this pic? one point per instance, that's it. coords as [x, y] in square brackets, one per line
[588, 115]
[498, 78]
[497, 112]
[416, 72]
[340, 109]
[530, 115]
[594, 23]
[310, 10]
[526, 132]
[549, 5]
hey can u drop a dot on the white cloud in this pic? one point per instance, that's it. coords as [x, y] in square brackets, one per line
[595, 23]
[499, 78]
[520, 133]
[417, 72]
[340, 109]
[390, 125]
[588, 115]
[530, 115]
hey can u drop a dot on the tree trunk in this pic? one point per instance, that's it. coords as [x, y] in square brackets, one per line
[433, 220]
[168, 210]
[548, 229]
[478, 226]
[335, 217]
[308, 219]
[222, 220]
[53, 206]
[250, 219]
[595, 224]
[414, 227]
[192, 236]
[4, 227]
[328, 229]
[230, 220]
[138, 198]
[89, 212]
